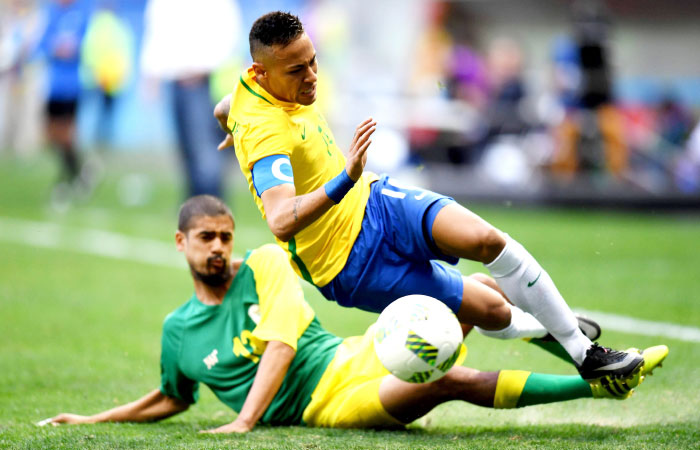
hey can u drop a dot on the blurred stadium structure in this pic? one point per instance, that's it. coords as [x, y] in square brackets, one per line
[525, 101]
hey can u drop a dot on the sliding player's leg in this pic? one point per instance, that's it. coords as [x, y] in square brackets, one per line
[459, 232]
[543, 340]
[507, 389]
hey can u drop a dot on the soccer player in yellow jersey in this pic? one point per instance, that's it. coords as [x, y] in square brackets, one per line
[249, 335]
[365, 240]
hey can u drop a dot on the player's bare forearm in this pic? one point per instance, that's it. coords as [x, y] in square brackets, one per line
[287, 213]
[273, 367]
[221, 112]
[151, 407]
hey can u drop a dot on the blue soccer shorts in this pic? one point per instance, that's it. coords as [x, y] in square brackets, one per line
[394, 254]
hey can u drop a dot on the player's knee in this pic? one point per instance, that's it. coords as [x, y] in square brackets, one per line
[484, 279]
[491, 243]
[497, 316]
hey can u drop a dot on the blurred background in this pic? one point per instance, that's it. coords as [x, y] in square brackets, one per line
[532, 101]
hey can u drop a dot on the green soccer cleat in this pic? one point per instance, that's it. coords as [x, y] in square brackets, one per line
[623, 388]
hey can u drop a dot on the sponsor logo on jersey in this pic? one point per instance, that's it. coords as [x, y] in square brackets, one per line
[211, 359]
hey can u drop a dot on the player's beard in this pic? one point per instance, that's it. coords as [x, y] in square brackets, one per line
[216, 278]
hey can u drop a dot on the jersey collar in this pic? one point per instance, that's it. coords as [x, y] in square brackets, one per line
[248, 82]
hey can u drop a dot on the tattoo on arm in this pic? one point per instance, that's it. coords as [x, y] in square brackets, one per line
[297, 202]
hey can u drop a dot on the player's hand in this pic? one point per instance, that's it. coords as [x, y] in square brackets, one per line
[357, 155]
[227, 142]
[71, 419]
[237, 426]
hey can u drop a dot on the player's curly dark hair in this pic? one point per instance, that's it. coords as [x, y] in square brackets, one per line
[275, 28]
[198, 206]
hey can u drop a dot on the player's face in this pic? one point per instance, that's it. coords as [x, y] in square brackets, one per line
[291, 72]
[207, 247]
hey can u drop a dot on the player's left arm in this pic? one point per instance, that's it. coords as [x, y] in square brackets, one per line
[272, 369]
[284, 315]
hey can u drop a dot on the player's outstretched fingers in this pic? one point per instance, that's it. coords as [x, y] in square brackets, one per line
[361, 129]
[363, 141]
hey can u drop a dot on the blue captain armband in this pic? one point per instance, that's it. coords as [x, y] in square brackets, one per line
[272, 171]
[339, 186]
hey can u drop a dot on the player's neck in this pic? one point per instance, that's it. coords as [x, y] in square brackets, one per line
[266, 87]
[212, 295]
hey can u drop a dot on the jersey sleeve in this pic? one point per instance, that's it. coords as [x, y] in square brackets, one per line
[174, 383]
[284, 314]
[270, 136]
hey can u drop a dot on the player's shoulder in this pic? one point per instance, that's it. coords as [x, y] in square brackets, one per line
[175, 321]
[266, 255]
[250, 107]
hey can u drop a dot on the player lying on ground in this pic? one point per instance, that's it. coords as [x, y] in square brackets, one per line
[248, 334]
[365, 240]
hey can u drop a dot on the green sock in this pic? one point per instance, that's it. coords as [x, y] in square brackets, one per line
[518, 388]
[552, 347]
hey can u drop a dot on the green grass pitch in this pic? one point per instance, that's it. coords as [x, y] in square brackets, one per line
[81, 332]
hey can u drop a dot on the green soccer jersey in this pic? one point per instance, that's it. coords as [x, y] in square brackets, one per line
[221, 345]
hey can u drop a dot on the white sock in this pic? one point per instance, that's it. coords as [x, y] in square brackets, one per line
[530, 287]
[522, 325]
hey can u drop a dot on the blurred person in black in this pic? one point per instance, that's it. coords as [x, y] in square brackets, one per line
[61, 46]
[591, 136]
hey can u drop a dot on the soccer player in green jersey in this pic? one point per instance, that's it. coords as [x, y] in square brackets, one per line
[249, 335]
[365, 240]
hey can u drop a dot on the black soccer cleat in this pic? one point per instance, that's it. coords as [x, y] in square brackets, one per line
[605, 362]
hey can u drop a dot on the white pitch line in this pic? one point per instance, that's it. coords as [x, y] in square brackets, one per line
[90, 241]
[119, 246]
[631, 325]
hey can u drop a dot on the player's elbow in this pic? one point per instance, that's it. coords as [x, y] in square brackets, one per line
[222, 108]
[281, 230]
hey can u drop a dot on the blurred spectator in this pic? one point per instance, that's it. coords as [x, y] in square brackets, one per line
[566, 63]
[593, 121]
[468, 79]
[20, 103]
[184, 42]
[433, 52]
[61, 44]
[675, 123]
[507, 89]
[687, 167]
[107, 56]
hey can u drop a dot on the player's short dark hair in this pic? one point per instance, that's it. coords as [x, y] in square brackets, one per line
[198, 206]
[275, 28]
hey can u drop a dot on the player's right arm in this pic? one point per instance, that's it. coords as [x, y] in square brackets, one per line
[221, 115]
[288, 213]
[151, 407]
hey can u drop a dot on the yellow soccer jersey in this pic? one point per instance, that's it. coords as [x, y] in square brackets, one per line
[263, 126]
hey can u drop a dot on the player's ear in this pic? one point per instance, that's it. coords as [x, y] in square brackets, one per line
[180, 239]
[259, 70]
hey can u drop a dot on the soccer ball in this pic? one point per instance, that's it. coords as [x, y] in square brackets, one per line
[418, 338]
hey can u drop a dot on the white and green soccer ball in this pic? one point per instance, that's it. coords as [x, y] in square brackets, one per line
[418, 338]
